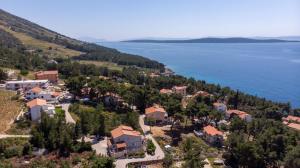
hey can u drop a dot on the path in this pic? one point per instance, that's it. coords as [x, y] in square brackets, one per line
[159, 153]
[69, 118]
[3, 136]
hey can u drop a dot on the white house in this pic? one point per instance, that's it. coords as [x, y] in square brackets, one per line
[221, 107]
[37, 106]
[26, 84]
[125, 140]
[37, 92]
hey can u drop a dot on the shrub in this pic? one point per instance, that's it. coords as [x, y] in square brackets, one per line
[150, 147]
[13, 151]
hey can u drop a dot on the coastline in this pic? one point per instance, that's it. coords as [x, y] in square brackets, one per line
[201, 68]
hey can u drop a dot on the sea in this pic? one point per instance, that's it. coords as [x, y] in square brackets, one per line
[270, 70]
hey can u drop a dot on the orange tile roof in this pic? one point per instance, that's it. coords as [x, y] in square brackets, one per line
[241, 114]
[47, 73]
[121, 145]
[291, 118]
[165, 91]
[217, 104]
[36, 102]
[36, 90]
[294, 125]
[55, 94]
[124, 130]
[210, 130]
[154, 109]
[203, 93]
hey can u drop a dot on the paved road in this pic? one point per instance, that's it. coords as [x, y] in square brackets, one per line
[159, 153]
[3, 136]
[69, 118]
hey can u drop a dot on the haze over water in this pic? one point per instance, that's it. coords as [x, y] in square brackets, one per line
[270, 70]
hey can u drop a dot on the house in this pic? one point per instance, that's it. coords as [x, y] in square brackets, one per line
[203, 94]
[52, 76]
[37, 106]
[292, 122]
[37, 92]
[241, 114]
[179, 90]
[292, 119]
[26, 84]
[125, 140]
[166, 91]
[294, 126]
[212, 135]
[153, 75]
[221, 107]
[157, 113]
[112, 99]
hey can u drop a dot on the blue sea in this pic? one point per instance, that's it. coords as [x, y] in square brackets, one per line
[270, 70]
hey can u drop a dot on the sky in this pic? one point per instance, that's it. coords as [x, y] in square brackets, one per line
[134, 19]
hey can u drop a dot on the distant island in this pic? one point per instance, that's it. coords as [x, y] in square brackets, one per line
[213, 40]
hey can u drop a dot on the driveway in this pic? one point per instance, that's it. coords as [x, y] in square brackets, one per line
[159, 153]
[101, 147]
[65, 107]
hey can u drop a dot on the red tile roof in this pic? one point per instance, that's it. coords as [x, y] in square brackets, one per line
[124, 130]
[36, 90]
[291, 118]
[210, 130]
[154, 109]
[36, 102]
[294, 125]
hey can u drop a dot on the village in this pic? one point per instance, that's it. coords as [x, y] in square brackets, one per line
[135, 147]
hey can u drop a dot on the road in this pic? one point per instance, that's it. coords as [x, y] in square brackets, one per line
[3, 136]
[69, 118]
[159, 153]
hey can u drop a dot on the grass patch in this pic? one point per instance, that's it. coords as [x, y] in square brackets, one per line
[59, 111]
[9, 109]
[30, 42]
[109, 65]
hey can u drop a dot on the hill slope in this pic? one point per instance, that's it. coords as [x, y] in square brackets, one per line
[213, 40]
[50, 43]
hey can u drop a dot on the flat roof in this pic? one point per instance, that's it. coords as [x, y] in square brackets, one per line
[27, 81]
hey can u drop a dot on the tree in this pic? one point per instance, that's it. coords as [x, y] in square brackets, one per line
[3, 75]
[101, 130]
[192, 153]
[292, 159]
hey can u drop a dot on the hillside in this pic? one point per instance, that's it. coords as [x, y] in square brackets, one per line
[48, 43]
[213, 40]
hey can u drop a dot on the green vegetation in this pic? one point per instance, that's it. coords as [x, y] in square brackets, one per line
[53, 44]
[54, 134]
[11, 147]
[150, 147]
